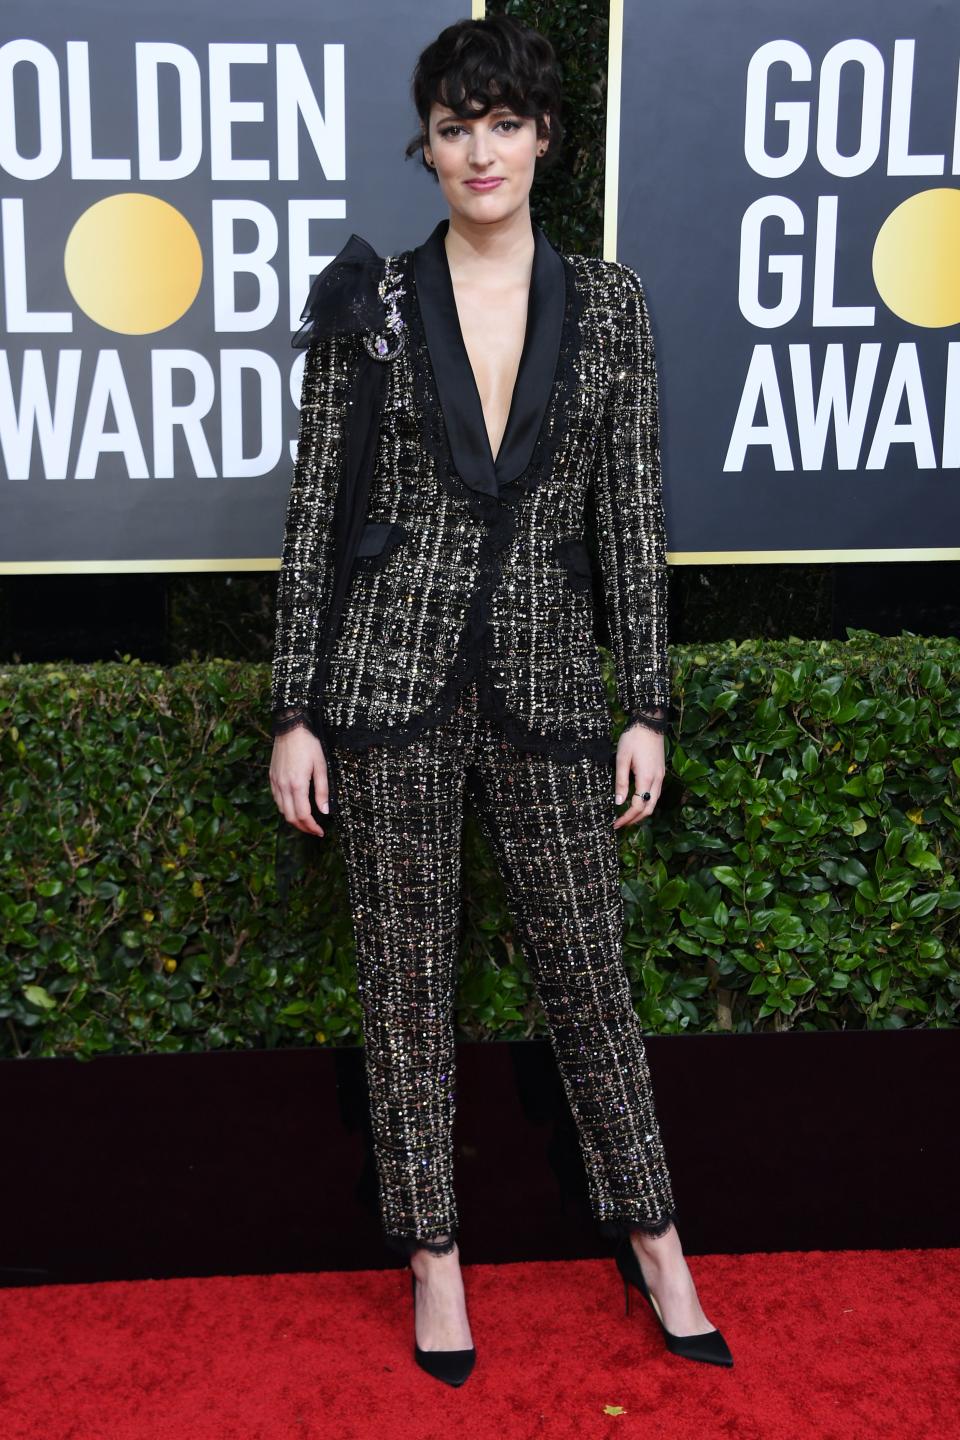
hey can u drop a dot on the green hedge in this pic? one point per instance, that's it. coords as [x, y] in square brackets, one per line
[800, 871]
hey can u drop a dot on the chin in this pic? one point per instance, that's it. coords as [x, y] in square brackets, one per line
[493, 206]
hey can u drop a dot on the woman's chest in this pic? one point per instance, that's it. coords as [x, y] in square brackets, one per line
[493, 327]
[546, 395]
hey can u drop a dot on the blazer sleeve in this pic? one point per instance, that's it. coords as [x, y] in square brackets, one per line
[630, 519]
[307, 543]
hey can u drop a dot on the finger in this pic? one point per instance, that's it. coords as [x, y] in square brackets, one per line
[302, 814]
[321, 787]
[640, 808]
[621, 776]
[647, 784]
[645, 781]
[631, 816]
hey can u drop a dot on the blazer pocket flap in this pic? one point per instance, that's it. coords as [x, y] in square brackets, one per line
[378, 538]
[575, 557]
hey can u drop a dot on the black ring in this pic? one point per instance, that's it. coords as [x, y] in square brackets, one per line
[645, 795]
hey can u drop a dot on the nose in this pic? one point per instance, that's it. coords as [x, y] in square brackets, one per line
[479, 152]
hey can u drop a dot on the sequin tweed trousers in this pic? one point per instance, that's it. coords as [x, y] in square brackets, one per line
[549, 824]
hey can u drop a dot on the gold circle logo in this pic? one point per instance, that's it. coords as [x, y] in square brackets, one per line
[133, 263]
[916, 259]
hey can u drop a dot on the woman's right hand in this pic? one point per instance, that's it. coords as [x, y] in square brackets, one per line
[298, 757]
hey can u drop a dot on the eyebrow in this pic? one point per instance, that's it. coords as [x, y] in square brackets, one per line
[494, 110]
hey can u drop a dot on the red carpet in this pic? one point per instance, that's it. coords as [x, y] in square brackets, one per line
[836, 1345]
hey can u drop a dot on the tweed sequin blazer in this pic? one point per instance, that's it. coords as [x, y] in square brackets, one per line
[413, 558]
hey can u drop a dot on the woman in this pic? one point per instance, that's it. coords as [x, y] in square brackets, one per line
[462, 403]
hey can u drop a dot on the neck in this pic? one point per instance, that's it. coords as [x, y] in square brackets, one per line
[506, 244]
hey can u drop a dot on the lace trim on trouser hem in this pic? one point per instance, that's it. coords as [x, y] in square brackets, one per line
[407, 1244]
[617, 1227]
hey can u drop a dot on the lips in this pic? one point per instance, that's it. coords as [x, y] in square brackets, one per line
[484, 184]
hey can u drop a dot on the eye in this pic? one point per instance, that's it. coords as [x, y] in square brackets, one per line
[447, 130]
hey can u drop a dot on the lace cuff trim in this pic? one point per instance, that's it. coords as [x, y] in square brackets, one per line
[657, 719]
[290, 719]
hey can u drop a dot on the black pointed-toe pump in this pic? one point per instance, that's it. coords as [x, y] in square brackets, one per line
[453, 1367]
[709, 1347]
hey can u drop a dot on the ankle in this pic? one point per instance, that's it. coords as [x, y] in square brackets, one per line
[644, 1237]
[431, 1257]
[655, 1247]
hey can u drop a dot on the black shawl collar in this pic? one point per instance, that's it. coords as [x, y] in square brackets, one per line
[456, 386]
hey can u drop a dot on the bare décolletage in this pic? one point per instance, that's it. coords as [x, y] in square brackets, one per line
[493, 325]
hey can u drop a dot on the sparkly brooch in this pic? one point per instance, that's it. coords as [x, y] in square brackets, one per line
[378, 343]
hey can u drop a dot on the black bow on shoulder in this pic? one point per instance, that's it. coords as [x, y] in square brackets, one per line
[344, 296]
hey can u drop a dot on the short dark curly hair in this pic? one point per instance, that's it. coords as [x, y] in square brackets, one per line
[476, 64]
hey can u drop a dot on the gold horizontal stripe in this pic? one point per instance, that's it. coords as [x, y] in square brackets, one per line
[132, 567]
[268, 562]
[795, 557]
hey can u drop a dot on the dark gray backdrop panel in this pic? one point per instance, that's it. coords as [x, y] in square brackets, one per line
[387, 199]
[684, 184]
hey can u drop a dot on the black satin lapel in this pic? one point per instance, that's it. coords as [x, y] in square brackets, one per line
[538, 360]
[456, 387]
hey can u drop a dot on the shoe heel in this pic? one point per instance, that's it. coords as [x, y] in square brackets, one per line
[453, 1367]
[626, 1294]
[709, 1346]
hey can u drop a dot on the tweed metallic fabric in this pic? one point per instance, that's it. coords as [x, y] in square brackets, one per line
[549, 825]
[451, 583]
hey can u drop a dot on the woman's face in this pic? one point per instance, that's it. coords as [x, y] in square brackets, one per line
[499, 147]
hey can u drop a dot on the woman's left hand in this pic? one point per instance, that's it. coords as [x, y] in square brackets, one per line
[639, 750]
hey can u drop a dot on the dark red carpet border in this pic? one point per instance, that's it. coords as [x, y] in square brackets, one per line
[832, 1344]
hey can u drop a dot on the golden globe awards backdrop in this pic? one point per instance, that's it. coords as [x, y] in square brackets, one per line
[171, 180]
[784, 178]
